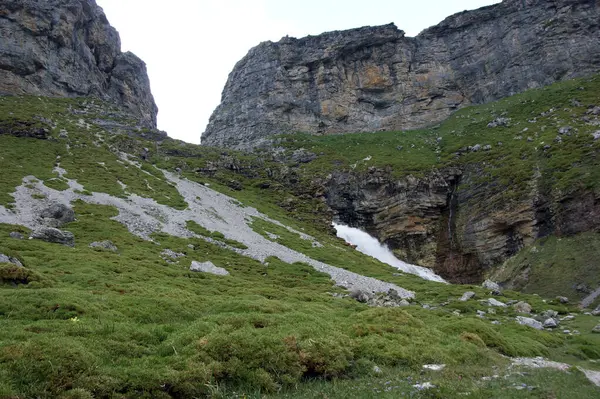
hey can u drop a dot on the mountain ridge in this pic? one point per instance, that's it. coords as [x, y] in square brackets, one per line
[375, 78]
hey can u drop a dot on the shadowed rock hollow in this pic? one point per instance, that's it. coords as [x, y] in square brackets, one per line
[374, 78]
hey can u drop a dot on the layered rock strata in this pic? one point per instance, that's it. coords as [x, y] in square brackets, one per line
[375, 78]
[459, 233]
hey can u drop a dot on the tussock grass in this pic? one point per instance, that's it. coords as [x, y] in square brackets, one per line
[82, 323]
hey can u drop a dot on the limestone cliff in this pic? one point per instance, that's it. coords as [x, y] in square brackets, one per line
[460, 233]
[374, 78]
[67, 48]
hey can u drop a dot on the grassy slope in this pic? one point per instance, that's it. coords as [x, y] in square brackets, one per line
[506, 175]
[128, 324]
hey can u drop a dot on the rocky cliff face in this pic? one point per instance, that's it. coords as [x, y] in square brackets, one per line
[446, 222]
[67, 48]
[374, 78]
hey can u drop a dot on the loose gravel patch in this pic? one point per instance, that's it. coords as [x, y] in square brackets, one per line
[210, 209]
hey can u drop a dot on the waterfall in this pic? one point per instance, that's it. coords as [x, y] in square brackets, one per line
[370, 246]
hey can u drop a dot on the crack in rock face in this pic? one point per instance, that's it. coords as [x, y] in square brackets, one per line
[210, 209]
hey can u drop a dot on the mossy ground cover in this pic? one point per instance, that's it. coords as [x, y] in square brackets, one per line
[541, 267]
[130, 324]
[87, 323]
[85, 150]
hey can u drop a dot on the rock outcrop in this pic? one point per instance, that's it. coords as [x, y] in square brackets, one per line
[374, 78]
[459, 233]
[67, 48]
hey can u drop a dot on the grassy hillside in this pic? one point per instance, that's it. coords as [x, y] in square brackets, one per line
[83, 322]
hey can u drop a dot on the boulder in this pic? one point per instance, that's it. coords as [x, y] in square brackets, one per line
[57, 215]
[529, 322]
[10, 259]
[596, 312]
[466, 296]
[169, 253]
[499, 122]
[16, 235]
[496, 303]
[550, 323]
[565, 130]
[107, 245]
[562, 299]
[360, 296]
[208, 267]
[549, 314]
[596, 329]
[492, 286]
[54, 235]
[522, 307]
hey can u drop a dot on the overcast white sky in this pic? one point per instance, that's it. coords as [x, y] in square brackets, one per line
[190, 46]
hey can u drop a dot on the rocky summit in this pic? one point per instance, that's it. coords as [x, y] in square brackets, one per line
[375, 78]
[67, 48]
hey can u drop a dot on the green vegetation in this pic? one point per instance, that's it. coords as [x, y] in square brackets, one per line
[86, 152]
[215, 235]
[517, 148]
[85, 323]
[544, 265]
[126, 324]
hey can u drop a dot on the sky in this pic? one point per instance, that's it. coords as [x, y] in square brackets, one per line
[190, 46]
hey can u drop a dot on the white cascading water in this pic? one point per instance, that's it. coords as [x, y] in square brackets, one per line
[371, 246]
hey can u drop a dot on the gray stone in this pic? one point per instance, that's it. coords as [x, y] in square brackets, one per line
[490, 285]
[562, 299]
[487, 147]
[596, 329]
[168, 253]
[466, 296]
[522, 307]
[10, 259]
[565, 130]
[57, 215]
[303, 156]
[596, 312]
[596, 135]
[67, 48]
[16, 235]
[208, 267]
[475, 148]
[480, 313]
[547, 314]
[499, 122]
[496, 303]
[54, 235]
[371, 79]
[550, 323]
[529, 322]
[360, 295]
[108, 245]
